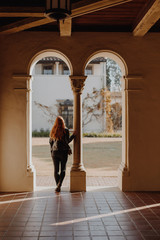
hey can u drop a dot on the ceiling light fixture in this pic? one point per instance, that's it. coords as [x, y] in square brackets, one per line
[58, 9]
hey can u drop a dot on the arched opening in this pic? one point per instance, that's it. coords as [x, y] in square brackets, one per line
[47, 99]
[105, 114]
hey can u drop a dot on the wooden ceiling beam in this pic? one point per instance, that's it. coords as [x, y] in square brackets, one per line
[78, 9]
[24, 24]
[22, 11]
[148, 16]
[87, 6]
[65, 27]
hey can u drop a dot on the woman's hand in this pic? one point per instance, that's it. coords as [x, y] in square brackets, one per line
[74, 133]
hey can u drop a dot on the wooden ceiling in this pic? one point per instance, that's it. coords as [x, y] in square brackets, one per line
[136, 16]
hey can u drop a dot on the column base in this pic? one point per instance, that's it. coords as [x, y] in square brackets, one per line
[31, 175]
[78, 181]
[124, 178]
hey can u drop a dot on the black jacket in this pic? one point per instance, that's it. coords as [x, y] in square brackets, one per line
[61, 145]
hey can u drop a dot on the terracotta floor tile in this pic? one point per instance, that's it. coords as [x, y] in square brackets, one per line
[116, 238]
[64, 233]
[134, 238]
[18, 224]
[12, 238]
[29, 238]
[97, 228]
[81, 238]
[152, 238]
[48, 228]
[115, 233]
[88, 216]
[131, 233]
[112, 228]
[48, 233]
[98, 233]
[13, 234]
[32, 228]
[47, 238]
[149, 233]
[30, 234]
[81, 228]
[81, 233]
[100, 238]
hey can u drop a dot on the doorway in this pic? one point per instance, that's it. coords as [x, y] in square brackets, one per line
[50, 72]
[104, 119]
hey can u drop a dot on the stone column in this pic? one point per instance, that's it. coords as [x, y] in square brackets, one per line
[22, 88]
[30, 167]
[57, 68]
[131, 86]
[21, 170]
[78, 173]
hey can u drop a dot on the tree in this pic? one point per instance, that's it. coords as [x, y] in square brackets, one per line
[113, 75]
[116, 115]
[100, 104]
[107, 107]
[91, 107]
[50, 112]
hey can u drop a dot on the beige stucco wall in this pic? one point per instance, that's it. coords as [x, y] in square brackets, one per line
[142, 57]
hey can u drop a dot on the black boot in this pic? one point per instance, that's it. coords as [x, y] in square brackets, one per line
[58, 188]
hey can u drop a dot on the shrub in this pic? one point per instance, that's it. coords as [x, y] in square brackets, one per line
[45, 133]
[102, 135]
[41, 133]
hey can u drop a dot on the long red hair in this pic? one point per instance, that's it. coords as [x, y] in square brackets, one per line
[58, 129]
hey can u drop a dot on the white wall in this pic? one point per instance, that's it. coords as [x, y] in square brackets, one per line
[37, 69]
[46, 89]
[91, 83]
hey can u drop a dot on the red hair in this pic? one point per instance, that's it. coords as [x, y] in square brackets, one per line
[58, 129]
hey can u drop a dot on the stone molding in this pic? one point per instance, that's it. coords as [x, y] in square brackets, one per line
[134, 83]
[21, 82]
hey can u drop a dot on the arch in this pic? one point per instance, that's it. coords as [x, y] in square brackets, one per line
[46, 53]
[110, 54]
[38, 56]
[124, 166]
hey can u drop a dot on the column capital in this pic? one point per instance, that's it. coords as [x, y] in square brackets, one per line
[77, 83]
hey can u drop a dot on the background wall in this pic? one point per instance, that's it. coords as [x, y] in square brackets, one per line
[46, 90]
[49, 88]
[142, 57]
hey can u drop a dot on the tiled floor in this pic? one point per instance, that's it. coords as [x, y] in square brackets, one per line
[98, 214]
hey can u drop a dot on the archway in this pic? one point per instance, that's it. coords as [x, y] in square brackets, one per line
[41, 58]
[107, 54]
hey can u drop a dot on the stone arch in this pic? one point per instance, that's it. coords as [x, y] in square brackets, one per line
[46, 53]
[38, 56]
[110, 54]
[124, 166]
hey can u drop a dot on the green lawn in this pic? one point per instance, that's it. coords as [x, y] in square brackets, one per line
[104, 154]
[101, 156]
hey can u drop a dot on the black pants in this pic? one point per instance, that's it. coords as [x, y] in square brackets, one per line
[59, 158]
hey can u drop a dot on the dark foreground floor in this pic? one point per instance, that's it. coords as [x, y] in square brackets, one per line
[95, 215]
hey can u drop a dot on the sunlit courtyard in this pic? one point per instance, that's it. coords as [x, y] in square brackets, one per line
[101, 156]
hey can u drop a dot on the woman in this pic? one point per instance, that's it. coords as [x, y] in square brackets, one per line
[59, 140]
